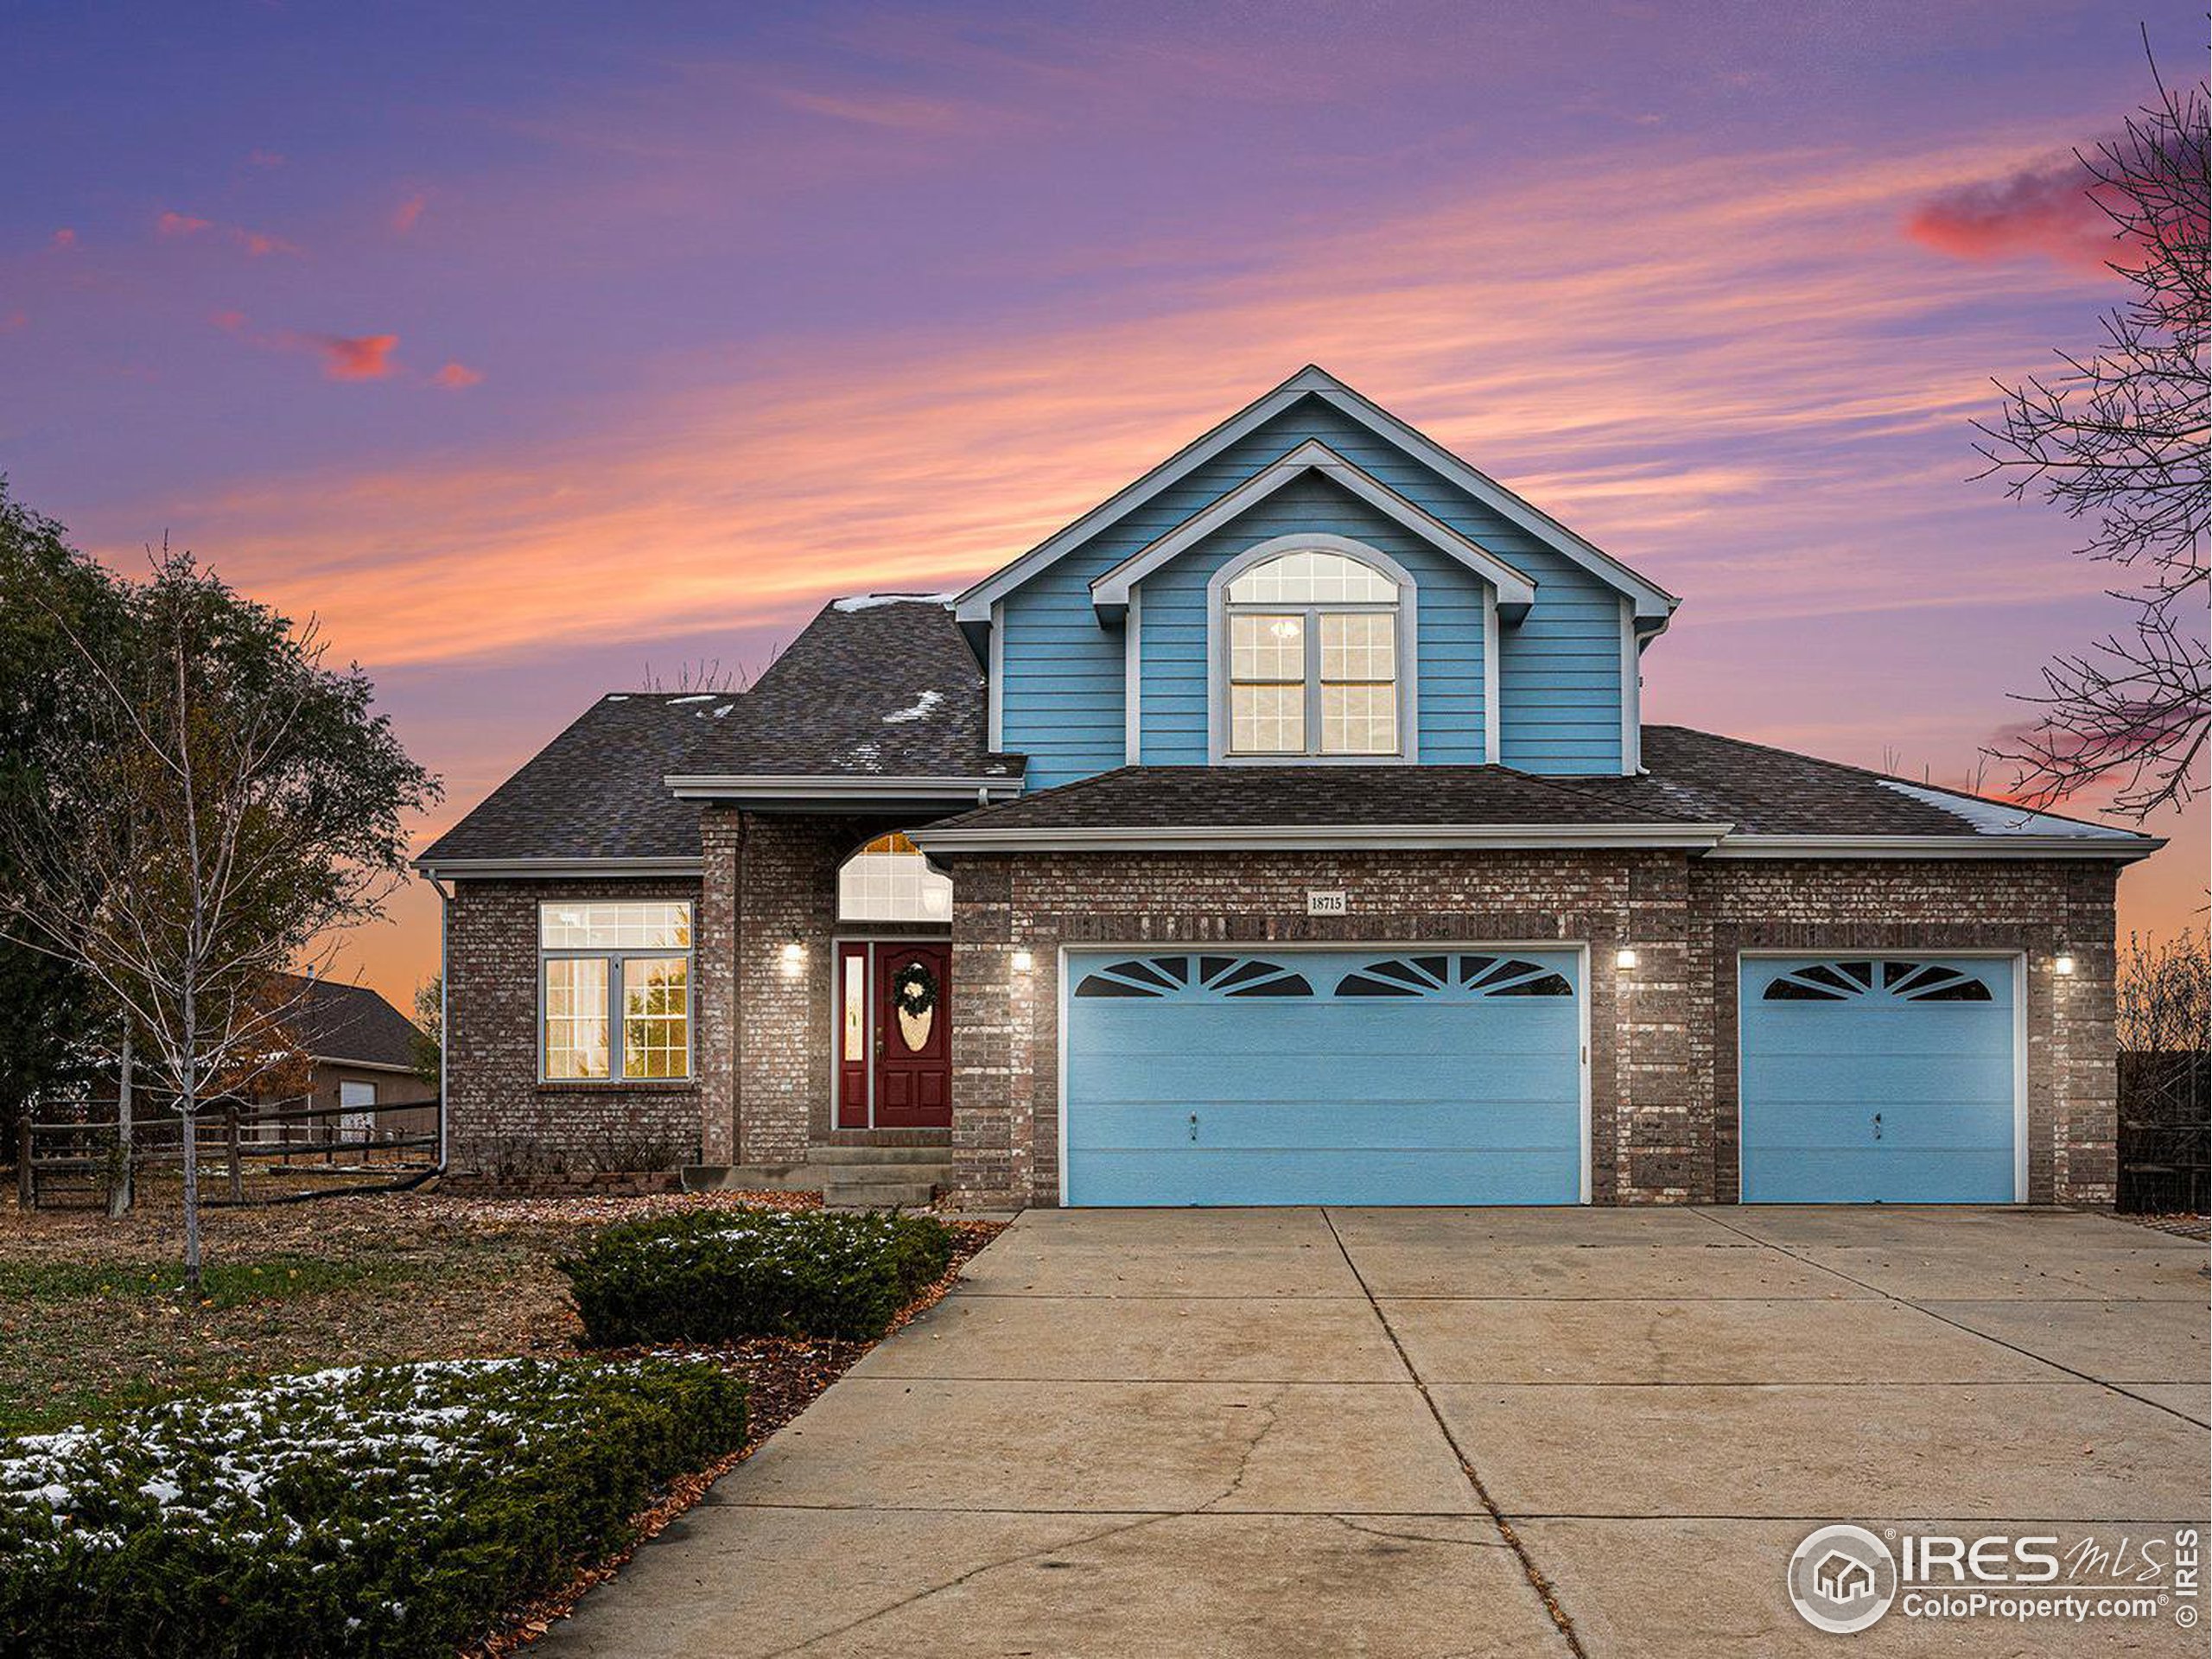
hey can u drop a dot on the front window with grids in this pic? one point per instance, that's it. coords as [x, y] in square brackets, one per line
[1313, 651]
[615, 991]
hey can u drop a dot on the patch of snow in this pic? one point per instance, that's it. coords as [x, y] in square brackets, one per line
[725, 708]
[617, 696]
[921, 708]
[2001, 818]
[695, 696]
[853, 602]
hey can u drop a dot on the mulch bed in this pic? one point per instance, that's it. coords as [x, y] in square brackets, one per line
[785, 1375]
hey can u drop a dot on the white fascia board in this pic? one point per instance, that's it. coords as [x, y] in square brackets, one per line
[1318, 837]
[466, 869]
[2126, 850]
[373, 1066]
[1654, 604]
[713, 786]
[1515, 588]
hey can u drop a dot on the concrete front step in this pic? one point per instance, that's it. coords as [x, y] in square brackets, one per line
[877, 1195]
[920, 1152]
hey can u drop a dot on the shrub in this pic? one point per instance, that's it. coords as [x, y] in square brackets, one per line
[719, 1275]
[395, 1510]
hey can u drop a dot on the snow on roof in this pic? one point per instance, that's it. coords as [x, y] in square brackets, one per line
[869, 601]
[923, 706]
[2000, 817]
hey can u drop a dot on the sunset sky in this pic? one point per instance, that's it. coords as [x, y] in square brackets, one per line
[527, 346]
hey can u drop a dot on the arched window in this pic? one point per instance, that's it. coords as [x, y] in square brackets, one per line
[1313, 639]
[889, 881]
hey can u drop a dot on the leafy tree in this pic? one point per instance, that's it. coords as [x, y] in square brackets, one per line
[50, 1010]
[2118, 437]
[212, 800]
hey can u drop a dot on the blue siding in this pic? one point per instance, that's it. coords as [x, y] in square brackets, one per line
[1816, 1075]
[1202, 1096]
[1448, 612]
[1062, 691]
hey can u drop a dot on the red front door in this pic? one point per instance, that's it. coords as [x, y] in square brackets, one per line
[904, 995]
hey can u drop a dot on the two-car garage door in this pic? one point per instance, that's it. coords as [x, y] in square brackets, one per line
[1417, 1075]
[1445, 1077]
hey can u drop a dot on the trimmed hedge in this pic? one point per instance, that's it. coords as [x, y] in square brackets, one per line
[396, 1511]
[719, 1275]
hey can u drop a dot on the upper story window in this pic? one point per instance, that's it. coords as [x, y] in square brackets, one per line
[1314, 649]
[615, 991]
[889, 881]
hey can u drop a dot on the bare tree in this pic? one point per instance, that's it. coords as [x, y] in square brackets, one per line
[214, 804]
[2163, 1002]
[2118, 437]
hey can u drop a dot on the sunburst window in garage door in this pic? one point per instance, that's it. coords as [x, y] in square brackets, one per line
[1840, 982]
[1436, 975]
[1197, 978]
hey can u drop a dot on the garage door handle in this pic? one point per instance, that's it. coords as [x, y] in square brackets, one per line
[1194, 1126]
[1878, 1126]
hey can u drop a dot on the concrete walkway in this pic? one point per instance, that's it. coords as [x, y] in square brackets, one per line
[1298, 1431]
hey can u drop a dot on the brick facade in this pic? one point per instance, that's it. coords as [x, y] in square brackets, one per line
[1663, 1072]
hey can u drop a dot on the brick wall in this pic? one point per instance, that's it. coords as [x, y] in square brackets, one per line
[1663, 1035]
[499, 1114]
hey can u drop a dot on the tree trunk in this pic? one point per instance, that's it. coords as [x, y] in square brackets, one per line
[118, 1195]
[188, 1107]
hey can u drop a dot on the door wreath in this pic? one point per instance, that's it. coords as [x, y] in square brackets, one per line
[914, 995]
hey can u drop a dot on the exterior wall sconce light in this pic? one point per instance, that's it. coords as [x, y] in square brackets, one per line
[2062, 966]
[1023, 961]
[1625, 957]
[792, 959]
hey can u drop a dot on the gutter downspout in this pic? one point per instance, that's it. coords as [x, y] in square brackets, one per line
[445, 1016]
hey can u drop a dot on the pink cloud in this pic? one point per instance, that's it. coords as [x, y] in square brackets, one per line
[259, 244]
[2042, 209]
[175, 224]
[404, 216]
[13, 321]
[265, 158]
[229, 322]
[456, 375]
[356, 357]
[64, 239]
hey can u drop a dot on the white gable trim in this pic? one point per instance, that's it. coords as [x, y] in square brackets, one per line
[1111, 592]
[1652, 601]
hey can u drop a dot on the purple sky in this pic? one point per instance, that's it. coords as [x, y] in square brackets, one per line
[526, 347]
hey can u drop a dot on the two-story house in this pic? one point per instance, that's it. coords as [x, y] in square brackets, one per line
[1285, 830]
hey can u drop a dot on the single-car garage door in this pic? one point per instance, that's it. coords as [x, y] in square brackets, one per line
[1417, 1075]
[1878, 1080]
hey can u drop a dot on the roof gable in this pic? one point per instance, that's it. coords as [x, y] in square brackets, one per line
[1653, 604]
[1109, 592]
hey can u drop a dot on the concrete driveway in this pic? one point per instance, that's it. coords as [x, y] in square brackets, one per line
[1397, 1432]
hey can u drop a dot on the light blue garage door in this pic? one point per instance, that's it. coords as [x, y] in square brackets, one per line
[1878, 1080]
[1311, 1076]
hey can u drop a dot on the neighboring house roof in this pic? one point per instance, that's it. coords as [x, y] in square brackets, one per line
[593, 797]
[880, 697]
[348, 1023]
[1654, 604]
[1699, 790]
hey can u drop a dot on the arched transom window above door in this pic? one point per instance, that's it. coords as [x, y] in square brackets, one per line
[1312, 642]
[889, 881]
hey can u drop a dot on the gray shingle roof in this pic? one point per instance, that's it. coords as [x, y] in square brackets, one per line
[595, 790]
[1691, 778]
[1144, 798]
[331, 1022]
[885, 685]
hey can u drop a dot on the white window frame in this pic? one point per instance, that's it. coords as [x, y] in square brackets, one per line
[1220, 727]
[615, 958]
